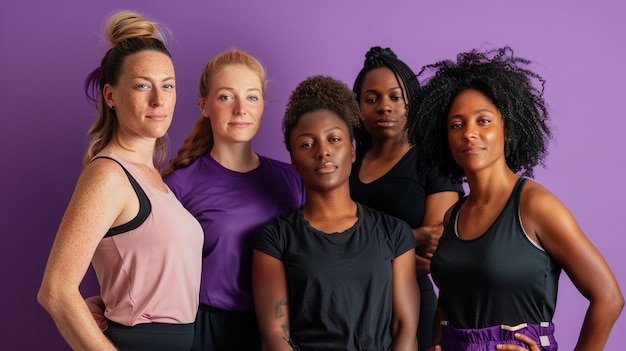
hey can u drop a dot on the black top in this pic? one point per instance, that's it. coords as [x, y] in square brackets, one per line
[402, 191]
[499, 278]
[340, 284]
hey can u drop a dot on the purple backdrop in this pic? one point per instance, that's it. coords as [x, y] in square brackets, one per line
[48, 48]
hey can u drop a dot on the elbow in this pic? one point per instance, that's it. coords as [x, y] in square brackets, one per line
[45, 298]
[612, 303]
[616, 300]
[619, 303]
[49, 299]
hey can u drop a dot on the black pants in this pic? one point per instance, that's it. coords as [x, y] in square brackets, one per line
[150, 336]
[220, 330]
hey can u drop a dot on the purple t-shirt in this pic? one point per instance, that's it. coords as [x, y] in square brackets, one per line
[232, 207]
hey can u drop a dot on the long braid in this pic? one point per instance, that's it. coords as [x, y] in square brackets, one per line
[378, 57]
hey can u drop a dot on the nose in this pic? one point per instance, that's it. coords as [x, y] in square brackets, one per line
[383, 107]
[470, 133]
[239, 107]
[157, 98]
[322, 151]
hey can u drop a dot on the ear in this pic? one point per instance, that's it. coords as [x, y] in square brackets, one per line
[353, 154]
[107, 94]
[202, 105]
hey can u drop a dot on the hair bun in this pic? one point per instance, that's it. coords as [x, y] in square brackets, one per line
[125, 25]
[374, 56]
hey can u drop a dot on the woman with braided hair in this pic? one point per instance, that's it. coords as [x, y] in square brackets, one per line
[483, 118]
[334, 274]
[385, 175]
[232, 191]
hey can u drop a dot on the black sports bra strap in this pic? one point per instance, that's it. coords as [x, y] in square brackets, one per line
[144, 205]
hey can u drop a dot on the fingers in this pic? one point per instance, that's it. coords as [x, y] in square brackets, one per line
[532, 345]
[422, 265]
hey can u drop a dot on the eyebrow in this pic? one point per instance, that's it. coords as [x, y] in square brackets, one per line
[473, 113]
[310, 134]
[152, 78]
[390, 89]
[231, 89]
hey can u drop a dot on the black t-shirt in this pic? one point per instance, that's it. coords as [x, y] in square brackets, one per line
[340, 284]
[402, 191]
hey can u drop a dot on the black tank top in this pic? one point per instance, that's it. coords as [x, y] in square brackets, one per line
[499, 278]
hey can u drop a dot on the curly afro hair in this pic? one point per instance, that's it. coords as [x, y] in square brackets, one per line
[515, 90]
[321, 92]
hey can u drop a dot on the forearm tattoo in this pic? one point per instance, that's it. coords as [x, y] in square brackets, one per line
[278, 311]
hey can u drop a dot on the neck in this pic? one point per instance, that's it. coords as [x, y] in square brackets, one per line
[484, 191]
[236, 157]
[141, 152]
[328, 206]
[389, 148]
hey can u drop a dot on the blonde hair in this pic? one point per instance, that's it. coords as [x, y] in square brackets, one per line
[128, 33]
[200, 141]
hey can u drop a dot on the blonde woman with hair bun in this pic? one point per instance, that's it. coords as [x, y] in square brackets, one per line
[122, 218]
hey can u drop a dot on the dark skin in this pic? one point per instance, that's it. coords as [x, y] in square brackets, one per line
[384, 116]
[322, 153]
[476, 136]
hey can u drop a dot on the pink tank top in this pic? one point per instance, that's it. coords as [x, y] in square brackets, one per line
[152, 273]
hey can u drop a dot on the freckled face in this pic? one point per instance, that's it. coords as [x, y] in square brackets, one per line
[145, 95]
[382, 104]
[321, 150]
[475, 131]
[234, 104]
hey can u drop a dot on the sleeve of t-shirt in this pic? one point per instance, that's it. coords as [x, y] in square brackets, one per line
[436, 183]
[404, 239]
[176, 183]
[269, 240]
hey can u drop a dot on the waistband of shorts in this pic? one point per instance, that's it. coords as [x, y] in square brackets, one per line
[542, 333]
[154, 327]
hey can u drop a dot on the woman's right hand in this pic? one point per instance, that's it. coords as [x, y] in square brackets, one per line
[96, 307]
[532, 345]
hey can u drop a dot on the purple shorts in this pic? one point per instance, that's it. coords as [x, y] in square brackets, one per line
[486, 339]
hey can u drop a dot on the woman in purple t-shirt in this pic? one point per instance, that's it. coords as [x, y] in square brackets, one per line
[232, 191]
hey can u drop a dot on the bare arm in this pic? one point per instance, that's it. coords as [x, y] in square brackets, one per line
[439, 317]
[269, 285]
[100, 198]
[432, 225]
[406, 302]
[549, 222]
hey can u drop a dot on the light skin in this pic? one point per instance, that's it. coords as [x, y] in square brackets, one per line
[144, 101]
[383, 105]
[476, 136]
[235, 107]
[322, 152]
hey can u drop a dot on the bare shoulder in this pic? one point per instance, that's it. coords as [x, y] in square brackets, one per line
[102, 185]
[536, 199]
[104, 175]
[544, 217]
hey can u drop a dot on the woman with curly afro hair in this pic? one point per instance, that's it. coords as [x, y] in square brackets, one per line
[334, 274]
[497, 265]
